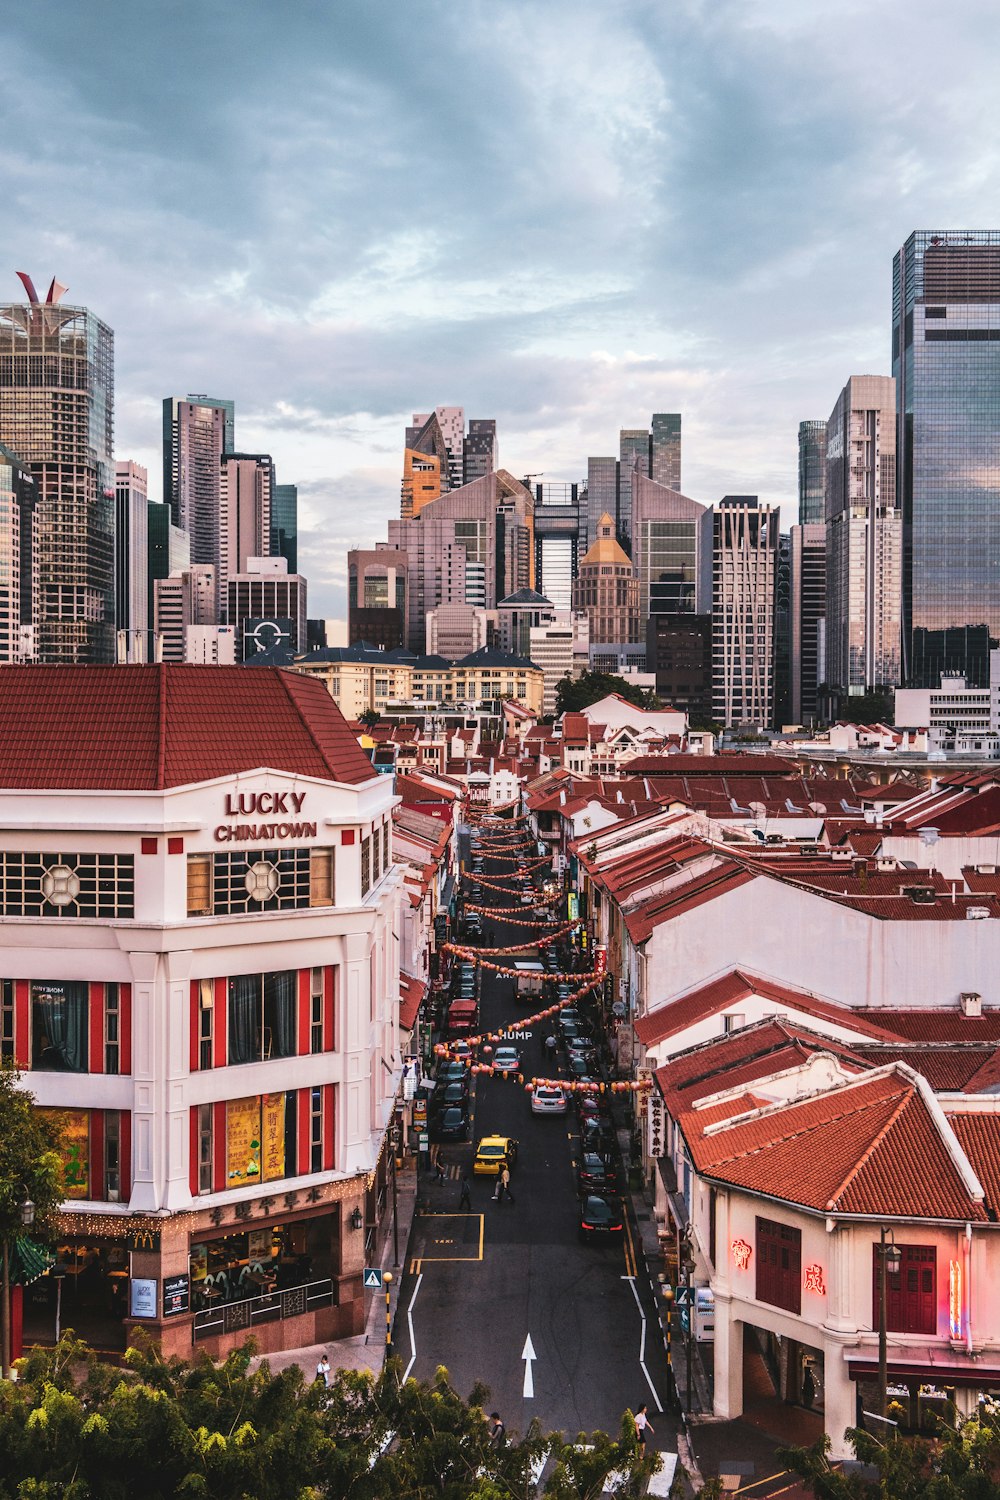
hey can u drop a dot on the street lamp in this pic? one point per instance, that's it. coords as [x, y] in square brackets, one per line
[667, 1293]
[357, 1222]
[890, 1258]
[27, 1214]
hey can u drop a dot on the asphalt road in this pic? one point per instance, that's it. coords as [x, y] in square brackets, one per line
[477, 1285]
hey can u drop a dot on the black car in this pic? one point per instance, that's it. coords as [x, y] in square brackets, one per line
[452, 1124]
[451, 1094]
[451, 1070]
[474, 926]
[598, 1135]
[600, 1217]
[595, 1175]
[580, 1070]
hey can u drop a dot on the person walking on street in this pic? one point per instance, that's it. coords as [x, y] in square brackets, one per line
[505, 1184]
[465, 1201]
[642, 1426]
[438, 1168]
[323, 1371]
[498, 1432]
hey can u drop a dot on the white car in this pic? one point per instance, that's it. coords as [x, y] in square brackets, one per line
[506, 1059]
[548, 1099]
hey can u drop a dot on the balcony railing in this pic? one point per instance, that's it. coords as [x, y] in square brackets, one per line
[272, 1307]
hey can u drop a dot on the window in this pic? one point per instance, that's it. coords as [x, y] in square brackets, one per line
[59, 1026]
[779, 1265]
[322, 883]
[112, 1156]
[911, 1295]
[66, 885]
[366, 866]
[375, 856]
[316, 1012]
[204, 1148]
[206, 1022]
[112, 1027]
[199, 885]
[315, 1130]
[262, 1016]
[7, 1019]
[732, 1022]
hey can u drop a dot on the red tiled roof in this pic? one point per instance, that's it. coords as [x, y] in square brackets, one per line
[411, 992]
[937, 1025]
[870, 1147]
[981, 880]
[947, 1069]
[143, 728]
[979, 1137]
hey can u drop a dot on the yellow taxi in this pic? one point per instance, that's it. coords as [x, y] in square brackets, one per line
[494, 1152]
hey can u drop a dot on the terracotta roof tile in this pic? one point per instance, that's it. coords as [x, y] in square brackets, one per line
[979, 1137]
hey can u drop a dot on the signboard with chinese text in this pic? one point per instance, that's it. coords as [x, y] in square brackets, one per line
[273, 1117]
[243, 1141]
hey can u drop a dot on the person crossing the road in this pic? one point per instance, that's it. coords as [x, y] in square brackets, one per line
[465, 1201]
[505, 1185]
[642, 1426]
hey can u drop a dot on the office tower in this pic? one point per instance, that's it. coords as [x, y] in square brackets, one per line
[561, 648]
[285, 524]
[17, 559]
[864, 539]
[745, 557]
[197, 433]
[436, 571]
[812, 473]
[480, 454]
[679, 653]
[807, 620]
[946, 361]
[607, 590]
[633, 458]
[671, 550]
[57, 416]
[131, 561]
[602, 496]
[782, 705]
[244, 512]
[421, 482]
[376, 597]
[557, 539]
[187, 598]
[441, 435]
[517, 616]
[168, 550]
[456, 630]
[267, 605]
[665, 449]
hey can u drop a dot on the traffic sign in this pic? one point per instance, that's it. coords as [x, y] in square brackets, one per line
[372, 1279]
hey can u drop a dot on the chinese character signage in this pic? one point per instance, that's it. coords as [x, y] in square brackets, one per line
[600, 958]
[273, 1115]
[741, 1254]
[813, 1280]
[243, 1141]
[955, 1299]
[654, 1120]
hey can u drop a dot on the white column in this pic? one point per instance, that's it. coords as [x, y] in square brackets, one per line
[728, 1360]
[839, 1396]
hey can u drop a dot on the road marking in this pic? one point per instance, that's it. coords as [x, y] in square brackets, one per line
[415, 1267]
[528, 1354]
[409, 1324]
[642, 1342]
[424, 1259]
[629, 1247]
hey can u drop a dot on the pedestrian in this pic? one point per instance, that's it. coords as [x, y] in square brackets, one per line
[550, 1046]
[808, 1388]
[642, 1426]
[498, 1432]
[505, 1183]
[465, 1201]
[438, 1168]
[323, 1371]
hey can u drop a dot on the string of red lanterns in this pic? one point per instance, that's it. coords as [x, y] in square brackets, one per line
[508, 914]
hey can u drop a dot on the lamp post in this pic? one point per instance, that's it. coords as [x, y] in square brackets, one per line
[387, 1283]
[27, 1212]
[890, 1258]
[667, 1292]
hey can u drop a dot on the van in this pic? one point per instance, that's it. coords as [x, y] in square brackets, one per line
[461, 1018]
[528, 980]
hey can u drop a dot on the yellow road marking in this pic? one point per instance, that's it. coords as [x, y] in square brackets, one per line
[754, 1483]
[481, 1217]
[629, 1247]
[415, 1267]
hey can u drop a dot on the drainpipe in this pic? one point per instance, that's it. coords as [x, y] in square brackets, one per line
[967, 1266]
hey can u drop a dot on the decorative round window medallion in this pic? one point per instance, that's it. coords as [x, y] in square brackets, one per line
[262, 881]
[60, 885]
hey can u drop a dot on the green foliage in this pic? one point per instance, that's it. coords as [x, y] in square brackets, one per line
[29, 1160]
[957, 1464]
[574, 694]
[868, 708]
[77, 1429]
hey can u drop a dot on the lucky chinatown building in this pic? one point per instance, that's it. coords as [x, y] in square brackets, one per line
[200, 976]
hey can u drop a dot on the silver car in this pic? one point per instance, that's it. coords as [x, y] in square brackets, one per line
[548, 1099]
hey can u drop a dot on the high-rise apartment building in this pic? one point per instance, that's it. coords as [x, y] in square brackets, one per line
[168, 550]
[57, 416]
[812, 473]
[807, 618]
[18, 569]
[671, 549]
[183, 599]
[131, 561]
[864, 539]
[607, 590]
[376, 596]
[665, 449]
[946, 362]
[198, 431]
[285, 524]
[745, 558]
[247, 485]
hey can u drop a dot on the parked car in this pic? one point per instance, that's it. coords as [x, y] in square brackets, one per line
[548, 1099]
[507, 1059]
[451, 1070]
[598, 1135]
[595, 1175]
[600, 1217]
[495, 1151]
[451, 1094]
[451, 1124]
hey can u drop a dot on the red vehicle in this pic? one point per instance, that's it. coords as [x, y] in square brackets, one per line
[462, 1016]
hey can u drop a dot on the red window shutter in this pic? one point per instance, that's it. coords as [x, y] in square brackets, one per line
[125, 1032]
[302, 1134]
[98, 1183]
[329, 999]
[303, 1043]
[193, 1150]
[95, 1062]
[328, 1128]
[220, 1024]
[22, 1023]
[218, 1140]
[195, 1011]
[125, 1153]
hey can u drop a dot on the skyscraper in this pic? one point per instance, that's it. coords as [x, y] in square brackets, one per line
[808, 620]
[17, 559]
[131, 561]
[247, 484]
[602, 496]
[168, 550]
[197, 432]
[441, 434]
[671, 549]
[633, 458]
[376, 597]
[57, 415]
[946, 361]
[665, 449]
[480, 454]
[285, 524]
[744, 575]
[606, 589]
[812, 473]
[864, 539]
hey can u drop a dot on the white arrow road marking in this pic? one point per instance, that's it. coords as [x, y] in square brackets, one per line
[528, 1354]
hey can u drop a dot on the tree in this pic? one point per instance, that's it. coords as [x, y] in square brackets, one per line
[368, 717]
[576, 693]
[30, 1169]
[870, 708]
[960, 1463]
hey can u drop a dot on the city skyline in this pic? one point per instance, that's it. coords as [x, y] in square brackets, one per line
[685, 242]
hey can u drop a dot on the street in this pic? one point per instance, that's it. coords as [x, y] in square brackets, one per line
[478, 1285]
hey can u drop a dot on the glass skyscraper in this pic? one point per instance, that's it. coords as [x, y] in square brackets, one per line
[285, 524]
[946, 361]
[812, 473]
[57, 415]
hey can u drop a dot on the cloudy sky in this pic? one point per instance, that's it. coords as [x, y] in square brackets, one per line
[566, 214]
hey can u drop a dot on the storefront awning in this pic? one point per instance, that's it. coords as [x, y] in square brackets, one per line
[29, 1261]
[930, 1363]
[411, 993]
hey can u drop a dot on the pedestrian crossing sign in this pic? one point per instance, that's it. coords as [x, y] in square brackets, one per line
[372, 1280]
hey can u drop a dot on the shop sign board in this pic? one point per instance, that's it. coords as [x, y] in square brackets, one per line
[142, 1297]
[176, 1295]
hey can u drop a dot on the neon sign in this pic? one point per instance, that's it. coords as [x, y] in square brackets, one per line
[813, 1280]
[741, 1253]
[955, 1299]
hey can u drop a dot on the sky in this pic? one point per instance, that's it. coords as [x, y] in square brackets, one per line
[564, 214]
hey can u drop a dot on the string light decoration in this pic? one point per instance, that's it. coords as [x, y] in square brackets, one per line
[442, 1049]
[538, 899]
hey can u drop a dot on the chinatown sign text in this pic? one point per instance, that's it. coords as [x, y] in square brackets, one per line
[263, 804]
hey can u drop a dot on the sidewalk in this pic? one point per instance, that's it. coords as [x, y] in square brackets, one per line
[364, 1351]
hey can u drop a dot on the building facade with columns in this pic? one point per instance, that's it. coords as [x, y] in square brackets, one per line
[200, 980]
